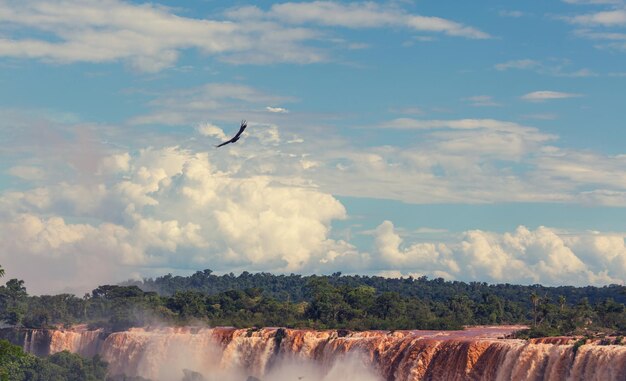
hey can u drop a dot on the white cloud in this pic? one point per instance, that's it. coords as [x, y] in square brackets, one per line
[173, 209]
[517, 64]
[469, 161]
[151, 38]
[582, 168]
[615, 17]
[457, 160]
[554, 67]
[514, 14]
[116, 163]
[581, 73]
[208, 129]
[524, 256]
[587, 33]
[218, 101]
[26, 172]
[266, 205]
[540, 96]
[278, 110]
[613, 40]
[601, 21]
[482, 101]
[541, 116]
[148, 37]
[465, 124]
[357, 15]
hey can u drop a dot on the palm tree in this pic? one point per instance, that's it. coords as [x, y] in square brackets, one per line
[561, 302]
[534, 299]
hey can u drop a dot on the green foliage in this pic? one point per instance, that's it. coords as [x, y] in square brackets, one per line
[13, 301]
[578, 344]
[336, 301]
[15, 365]
[11, 358]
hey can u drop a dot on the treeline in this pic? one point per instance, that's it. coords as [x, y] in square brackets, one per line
[294, 287]
[16, 365]
[325, 303]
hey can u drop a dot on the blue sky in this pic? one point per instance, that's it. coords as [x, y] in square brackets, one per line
[468, 140]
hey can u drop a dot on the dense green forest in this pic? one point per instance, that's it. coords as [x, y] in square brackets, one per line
[335, 301]
[261, 300]
[294, 287]
[16, 365]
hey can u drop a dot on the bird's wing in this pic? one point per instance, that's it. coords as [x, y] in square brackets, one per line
[236, 137]
[223, 144]
[243, 126]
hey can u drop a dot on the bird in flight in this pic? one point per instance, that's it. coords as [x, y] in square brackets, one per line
[237, 136]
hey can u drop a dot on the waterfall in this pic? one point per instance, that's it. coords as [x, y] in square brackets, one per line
[36, 341]
[229, 354]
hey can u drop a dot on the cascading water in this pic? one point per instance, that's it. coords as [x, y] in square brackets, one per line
[227, 354]
[36, 341]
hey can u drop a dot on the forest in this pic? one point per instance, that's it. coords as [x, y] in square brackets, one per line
[16, 365]
[322, 302]
[319, 302]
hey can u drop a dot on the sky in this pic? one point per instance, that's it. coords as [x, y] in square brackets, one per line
[473, 141]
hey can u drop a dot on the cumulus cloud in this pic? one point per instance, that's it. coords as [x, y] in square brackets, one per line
[268, 203]
[116, 163]
[208, 129]
[455, 160]
[156, 210]
[170, 209]
[524, 256]
[540, 96]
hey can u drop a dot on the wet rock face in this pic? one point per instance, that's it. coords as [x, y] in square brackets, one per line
[190, 375]
[252, 355]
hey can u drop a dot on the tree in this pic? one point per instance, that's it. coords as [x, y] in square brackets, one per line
[327, 302]
[13, 301]
[1, 272]
[361, 298]
[534, 299]
[562, 301]
[462, 307]
[389, 305]
[10, 358]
